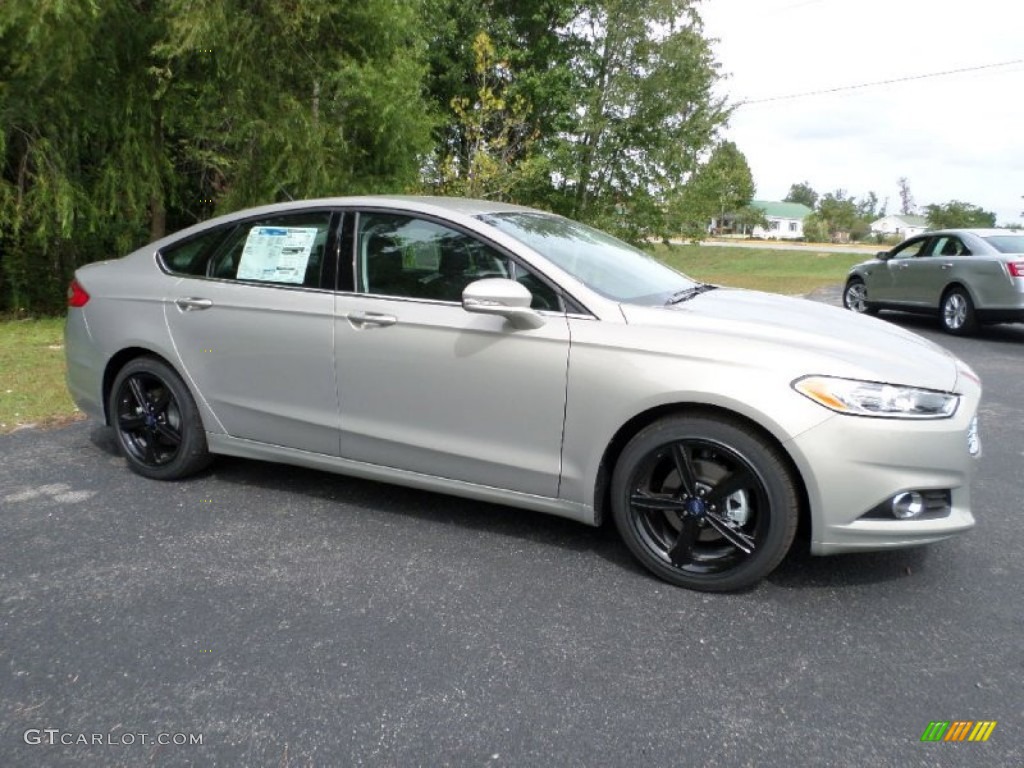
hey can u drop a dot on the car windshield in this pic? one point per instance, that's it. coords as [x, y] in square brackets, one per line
[1007, 243]
[604, 264]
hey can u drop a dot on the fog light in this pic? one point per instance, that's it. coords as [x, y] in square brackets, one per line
[907, 505]
[973, 438]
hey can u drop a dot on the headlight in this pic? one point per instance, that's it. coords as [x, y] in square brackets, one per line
[869, 398]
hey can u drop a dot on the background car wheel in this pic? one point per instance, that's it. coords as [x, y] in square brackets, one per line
[704, 503]
[957, 312]
[156, 421]
[855, 297]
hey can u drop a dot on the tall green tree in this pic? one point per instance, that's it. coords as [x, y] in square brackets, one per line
[803, 193]
[907, 205]
[958, 214]
[646, 113]
[723, 185]
[868, 208]
[302, 99]
[491, 156]
[528, 77]
[606, 108]
[122, 119]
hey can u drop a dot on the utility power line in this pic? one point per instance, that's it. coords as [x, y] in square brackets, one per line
[874, 83]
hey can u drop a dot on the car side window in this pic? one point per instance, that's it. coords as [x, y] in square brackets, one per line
[950, 246]
[911, 250]
[409, 257]
[286, 250]
[189, 257]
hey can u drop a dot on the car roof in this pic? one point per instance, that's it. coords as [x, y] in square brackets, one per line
[443, 206]
[977, 232]
[422, 203]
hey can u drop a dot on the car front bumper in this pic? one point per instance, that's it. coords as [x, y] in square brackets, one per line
[852, 465]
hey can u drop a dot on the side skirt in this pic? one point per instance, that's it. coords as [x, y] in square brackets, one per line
[250, 449]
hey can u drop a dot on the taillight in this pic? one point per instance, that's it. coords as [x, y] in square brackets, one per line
[77, 297]
[1016, 268]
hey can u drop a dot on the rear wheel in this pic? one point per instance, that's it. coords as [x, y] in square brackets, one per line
[704, 503]
[156, 421]
[957, 312]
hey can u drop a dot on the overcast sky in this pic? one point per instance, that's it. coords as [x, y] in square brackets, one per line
[959, 136]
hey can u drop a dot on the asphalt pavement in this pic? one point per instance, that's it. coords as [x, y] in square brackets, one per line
[286, 617]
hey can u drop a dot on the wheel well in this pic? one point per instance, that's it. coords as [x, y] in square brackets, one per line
[602, 493]
[951, 286]
[115, 364]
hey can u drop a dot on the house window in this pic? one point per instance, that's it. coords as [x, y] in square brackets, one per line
[794, 226]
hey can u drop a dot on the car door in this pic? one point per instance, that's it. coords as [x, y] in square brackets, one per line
[903, 269]
[948, 260]
[428, 387]
[254, 330]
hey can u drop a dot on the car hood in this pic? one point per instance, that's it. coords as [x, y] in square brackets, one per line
[807, 336]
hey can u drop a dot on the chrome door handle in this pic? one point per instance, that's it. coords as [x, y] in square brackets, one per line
[903, 266]
[190, 304]
[947, 266]
[371, 318]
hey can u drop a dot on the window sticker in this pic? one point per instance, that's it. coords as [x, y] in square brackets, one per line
[277, 254]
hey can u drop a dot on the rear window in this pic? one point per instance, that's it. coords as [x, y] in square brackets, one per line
[1007, 243]
[190, 256]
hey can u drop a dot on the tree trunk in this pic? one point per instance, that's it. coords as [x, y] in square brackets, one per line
[157, 209]
[157, 217]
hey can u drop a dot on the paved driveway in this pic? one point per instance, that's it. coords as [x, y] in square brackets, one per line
[292, 618]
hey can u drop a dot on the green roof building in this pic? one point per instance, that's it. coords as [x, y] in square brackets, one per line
[785, 222]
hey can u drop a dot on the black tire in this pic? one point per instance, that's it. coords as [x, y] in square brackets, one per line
[156, 421]
[855, 297]
[691, 493]
[957, 314]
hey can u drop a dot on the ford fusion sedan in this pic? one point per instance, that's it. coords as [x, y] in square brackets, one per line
[513, 356]
[965, 276]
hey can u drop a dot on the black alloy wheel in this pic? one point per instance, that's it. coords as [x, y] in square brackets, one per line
[704, 503]
[156, 421]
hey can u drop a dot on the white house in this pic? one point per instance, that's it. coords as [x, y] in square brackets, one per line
[785, 221]
[903, 225]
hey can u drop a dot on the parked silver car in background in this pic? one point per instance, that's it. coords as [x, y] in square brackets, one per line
[965, 276]
[513, 356]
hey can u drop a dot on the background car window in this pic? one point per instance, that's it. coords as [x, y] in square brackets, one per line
[911, 249]
[190, 256]
[286, 250]
[1007, 243]
[947, 245]
[418, 259]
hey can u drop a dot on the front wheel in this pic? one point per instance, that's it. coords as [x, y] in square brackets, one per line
[704, 503]
[957, 312]
[855, 297]
[156, 421]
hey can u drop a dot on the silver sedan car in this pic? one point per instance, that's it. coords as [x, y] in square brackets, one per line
[965, 276]
[513, 356]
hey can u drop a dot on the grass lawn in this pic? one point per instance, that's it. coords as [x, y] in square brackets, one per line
[32, 389]
[765, 269]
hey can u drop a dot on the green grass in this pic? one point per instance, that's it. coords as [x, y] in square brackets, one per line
[32, 389]
[764, 269]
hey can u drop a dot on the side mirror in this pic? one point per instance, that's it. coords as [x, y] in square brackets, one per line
[882, 255]
[501, 296]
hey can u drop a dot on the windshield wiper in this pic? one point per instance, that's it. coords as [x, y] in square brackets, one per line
[688, 293]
